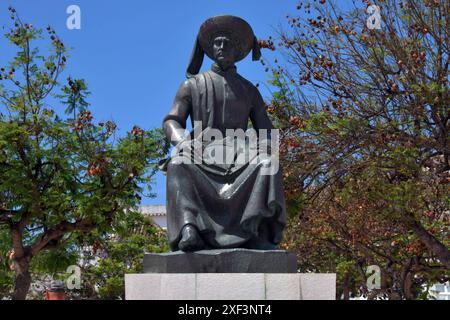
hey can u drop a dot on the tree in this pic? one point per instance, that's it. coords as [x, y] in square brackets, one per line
[6, 274]
[365, 140]
[117, 253]
[61, 173]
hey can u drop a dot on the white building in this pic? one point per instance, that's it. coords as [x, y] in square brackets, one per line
[440, 291]
[157, 213]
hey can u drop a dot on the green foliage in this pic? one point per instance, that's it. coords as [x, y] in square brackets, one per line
[61, 173]
[364, 127]
[6, 274]
[121, 252]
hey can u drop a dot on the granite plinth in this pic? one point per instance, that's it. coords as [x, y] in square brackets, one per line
[221, 261]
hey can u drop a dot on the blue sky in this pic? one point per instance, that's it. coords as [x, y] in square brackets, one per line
[133, 54]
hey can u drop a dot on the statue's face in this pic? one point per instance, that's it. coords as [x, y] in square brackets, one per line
[224, 51]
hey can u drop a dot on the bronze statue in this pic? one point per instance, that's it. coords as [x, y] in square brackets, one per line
[212, 206]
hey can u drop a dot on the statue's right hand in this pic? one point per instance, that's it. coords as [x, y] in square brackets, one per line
[184, 144]
[188, 146]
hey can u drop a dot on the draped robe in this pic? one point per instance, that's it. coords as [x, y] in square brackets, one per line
[235, 206]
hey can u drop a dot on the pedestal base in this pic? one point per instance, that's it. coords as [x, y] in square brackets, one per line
[230, 286]
[221, 261]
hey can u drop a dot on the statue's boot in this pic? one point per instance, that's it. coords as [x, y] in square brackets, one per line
[190, 239]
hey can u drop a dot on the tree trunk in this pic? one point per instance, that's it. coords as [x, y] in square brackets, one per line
[433, 244]
[406, 279]
[346, 287]
[407, 287]
[23, 278]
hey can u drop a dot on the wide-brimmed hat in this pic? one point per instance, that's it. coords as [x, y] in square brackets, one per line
[236, 28]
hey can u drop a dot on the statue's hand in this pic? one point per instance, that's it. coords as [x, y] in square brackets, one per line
[188, 146]
[184, 144]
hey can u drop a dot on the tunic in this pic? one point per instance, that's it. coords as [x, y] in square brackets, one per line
[234, 205]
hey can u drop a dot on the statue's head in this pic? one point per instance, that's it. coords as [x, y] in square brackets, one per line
[224, 50]
[226, 40]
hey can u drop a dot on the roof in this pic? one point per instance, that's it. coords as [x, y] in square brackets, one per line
[153, 210]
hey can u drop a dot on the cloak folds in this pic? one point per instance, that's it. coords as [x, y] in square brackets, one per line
[232, 205]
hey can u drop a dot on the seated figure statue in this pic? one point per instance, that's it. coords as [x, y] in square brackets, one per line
[212, 206]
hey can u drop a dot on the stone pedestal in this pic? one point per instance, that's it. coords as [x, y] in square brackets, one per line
[227, 274]
[230, 286]
[221, 261]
